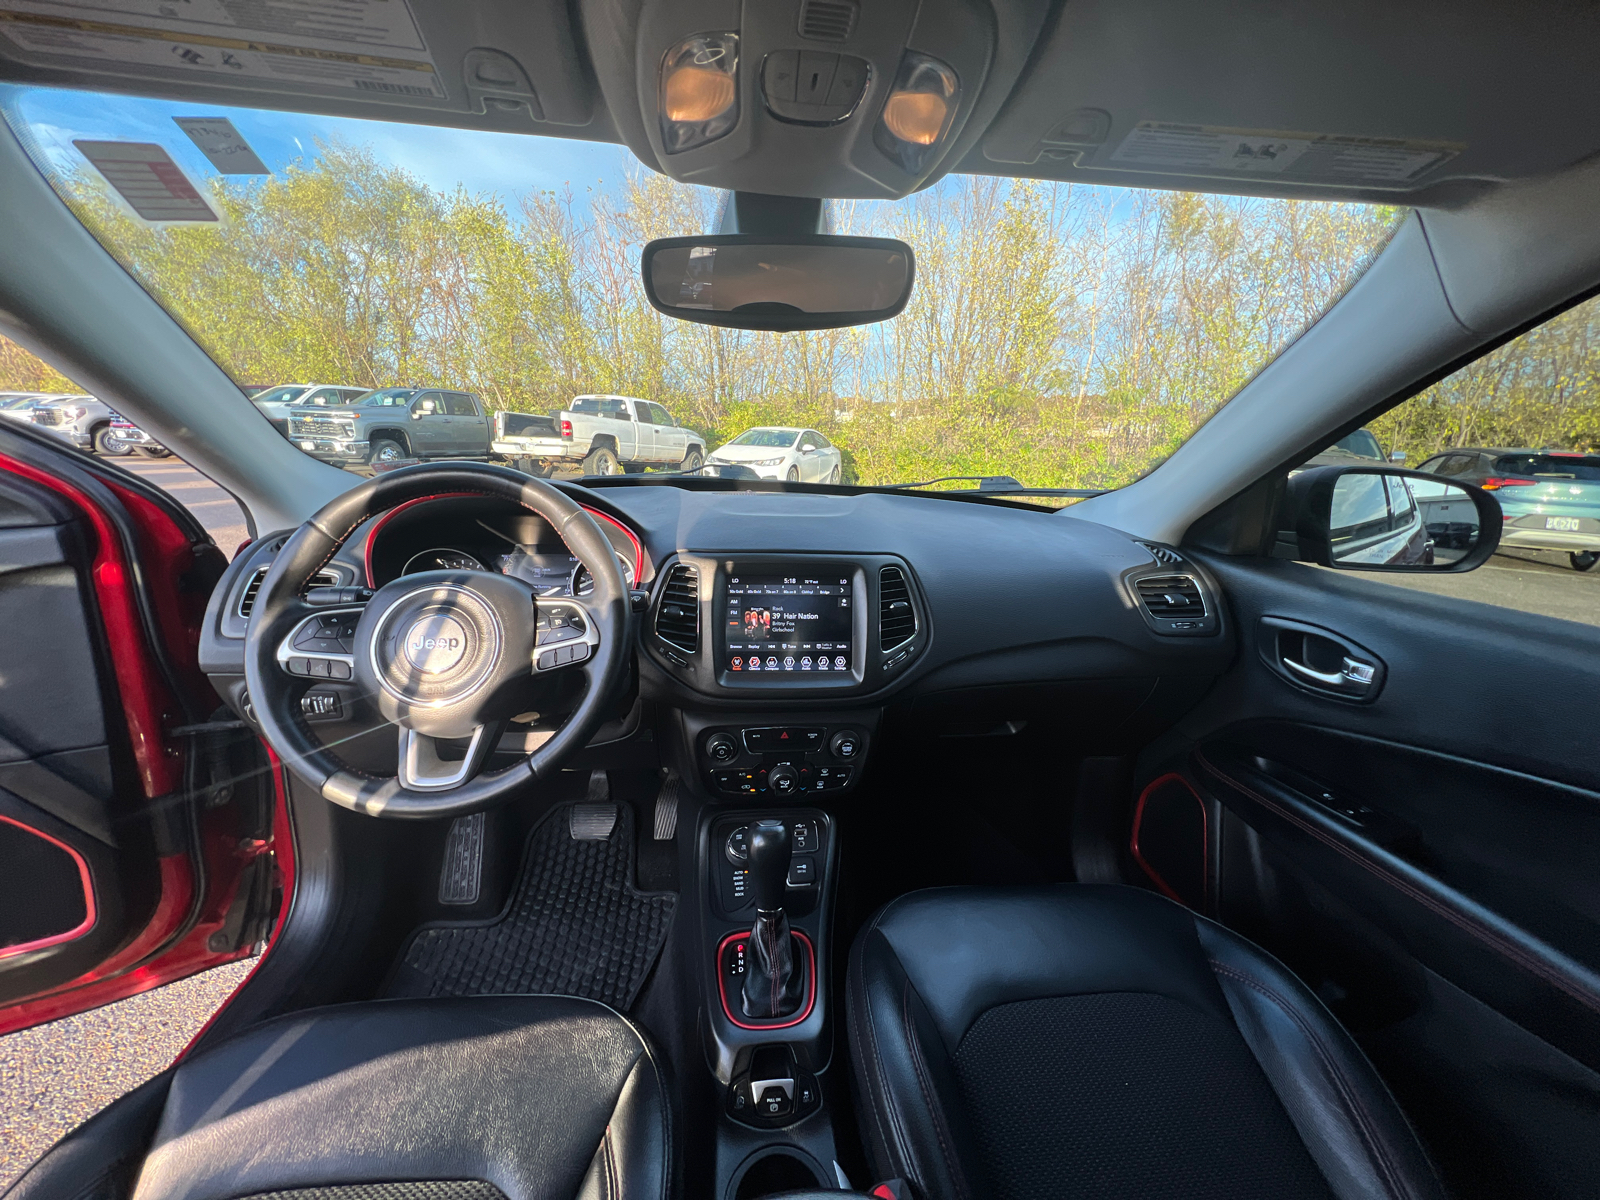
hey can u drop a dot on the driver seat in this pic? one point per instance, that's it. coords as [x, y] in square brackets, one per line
[474, 1098]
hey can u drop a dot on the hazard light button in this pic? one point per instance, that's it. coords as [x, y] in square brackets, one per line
[777, 738]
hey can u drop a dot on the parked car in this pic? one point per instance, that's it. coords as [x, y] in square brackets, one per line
[604, 434]
[18, 406]
[81, 420]
[392, 424]
[781, 452]
[124, 437]
[1357, 445]
[275, 402]
[1550, 499]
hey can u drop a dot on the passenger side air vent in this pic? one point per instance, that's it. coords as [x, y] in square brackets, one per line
[678, 615]
[827, 20]
[897, 620]
[1162, 554]
[247, 602]
[1171, 597]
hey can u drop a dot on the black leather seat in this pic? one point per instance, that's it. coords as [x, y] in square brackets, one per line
[479, 1098]
[1104, 1042]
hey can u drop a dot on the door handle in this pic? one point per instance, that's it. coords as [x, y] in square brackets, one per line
[1352, 671]
[1290, 647]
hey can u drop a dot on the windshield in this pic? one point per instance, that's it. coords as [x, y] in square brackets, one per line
[1064, 335]
[387, 398]
[778, 438]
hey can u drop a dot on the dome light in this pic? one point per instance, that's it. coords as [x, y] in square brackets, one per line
[699, 91]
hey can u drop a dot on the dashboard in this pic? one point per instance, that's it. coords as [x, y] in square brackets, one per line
[816, 613]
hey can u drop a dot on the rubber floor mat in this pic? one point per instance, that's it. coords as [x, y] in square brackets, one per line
[575, 926]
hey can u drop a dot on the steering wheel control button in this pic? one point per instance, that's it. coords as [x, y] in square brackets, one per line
[435, 644]
[845, 744]
[721, 748]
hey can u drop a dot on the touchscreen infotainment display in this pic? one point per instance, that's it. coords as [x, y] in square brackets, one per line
[789, 623]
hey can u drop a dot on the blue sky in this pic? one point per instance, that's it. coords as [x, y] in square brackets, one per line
[504, 164]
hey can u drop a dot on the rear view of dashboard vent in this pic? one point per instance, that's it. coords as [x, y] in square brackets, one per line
[897, 620]
[827, 20]
[678, 617]
[1172, 597]
[1162, 554]
[247, 602]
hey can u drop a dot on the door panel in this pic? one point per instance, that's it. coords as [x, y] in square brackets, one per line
[136, 837]
[1424, 852]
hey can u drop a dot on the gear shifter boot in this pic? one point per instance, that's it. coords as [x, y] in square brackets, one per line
[774, 978]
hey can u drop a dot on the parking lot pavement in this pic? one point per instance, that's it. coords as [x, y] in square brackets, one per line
[1534, 581]
[214, 508]
[56, 1076]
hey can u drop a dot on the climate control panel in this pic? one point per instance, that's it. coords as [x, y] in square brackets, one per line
[779, 761]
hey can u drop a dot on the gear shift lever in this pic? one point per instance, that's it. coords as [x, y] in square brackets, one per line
[771, 982]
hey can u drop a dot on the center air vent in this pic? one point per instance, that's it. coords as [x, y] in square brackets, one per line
[897, 620]
[247, 602]
[827, 20]
[678, 616]
[1171, 597]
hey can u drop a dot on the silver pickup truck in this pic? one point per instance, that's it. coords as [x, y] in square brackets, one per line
[605, 435]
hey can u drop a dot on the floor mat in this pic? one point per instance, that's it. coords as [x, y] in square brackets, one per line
[575, 926]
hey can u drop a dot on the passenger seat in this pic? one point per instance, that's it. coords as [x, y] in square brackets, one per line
[1102, 1042]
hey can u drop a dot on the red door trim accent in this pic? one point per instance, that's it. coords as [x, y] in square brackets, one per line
[143, 699]
[84, 878]
[1138, 817]
[811, 991]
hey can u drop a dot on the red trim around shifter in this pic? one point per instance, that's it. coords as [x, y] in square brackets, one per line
[811, 988]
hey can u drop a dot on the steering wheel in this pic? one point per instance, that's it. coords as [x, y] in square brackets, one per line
[445, 655]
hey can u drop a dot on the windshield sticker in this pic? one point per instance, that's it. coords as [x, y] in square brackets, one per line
[145, 176]
[1302, 157]
[220, 142]
[365, 45]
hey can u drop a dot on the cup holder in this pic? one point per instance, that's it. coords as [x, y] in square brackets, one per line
[774, 1170]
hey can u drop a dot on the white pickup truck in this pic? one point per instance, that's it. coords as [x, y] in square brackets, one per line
[606, 434]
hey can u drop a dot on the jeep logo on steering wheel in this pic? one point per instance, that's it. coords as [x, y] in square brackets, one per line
[435, 644]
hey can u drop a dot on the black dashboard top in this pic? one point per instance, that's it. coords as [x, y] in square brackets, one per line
[1005, 594]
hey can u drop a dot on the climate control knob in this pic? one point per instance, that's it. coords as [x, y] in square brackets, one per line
[845, 744]
[721, 748]
[783, 779]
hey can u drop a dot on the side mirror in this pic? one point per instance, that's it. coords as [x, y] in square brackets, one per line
[778, 283]
[1387, 519]
[1397, 456]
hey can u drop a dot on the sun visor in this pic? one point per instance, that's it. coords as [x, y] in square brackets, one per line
[1391, 102]
[509, 66]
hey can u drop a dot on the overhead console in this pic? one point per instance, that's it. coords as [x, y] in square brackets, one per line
[807, 97]
[791, 626]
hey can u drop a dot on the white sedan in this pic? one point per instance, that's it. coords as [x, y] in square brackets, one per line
[772, 452]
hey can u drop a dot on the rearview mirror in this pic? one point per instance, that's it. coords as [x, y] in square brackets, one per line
[776, 283]
[1386, 519]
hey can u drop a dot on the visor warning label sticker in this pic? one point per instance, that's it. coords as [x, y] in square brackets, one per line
[364, 45]
[1306, 157]
[145, 176]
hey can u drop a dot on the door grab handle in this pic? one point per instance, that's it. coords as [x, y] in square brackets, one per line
[1353, 671]
[1331, 678]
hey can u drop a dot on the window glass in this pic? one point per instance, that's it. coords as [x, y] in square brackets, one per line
[458, 405]
[429, 403]
[1360, 443]
[604, 406]
[808, 441]
[1522, 422]
[776, 438]
[1064, 334]
[389, 398]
